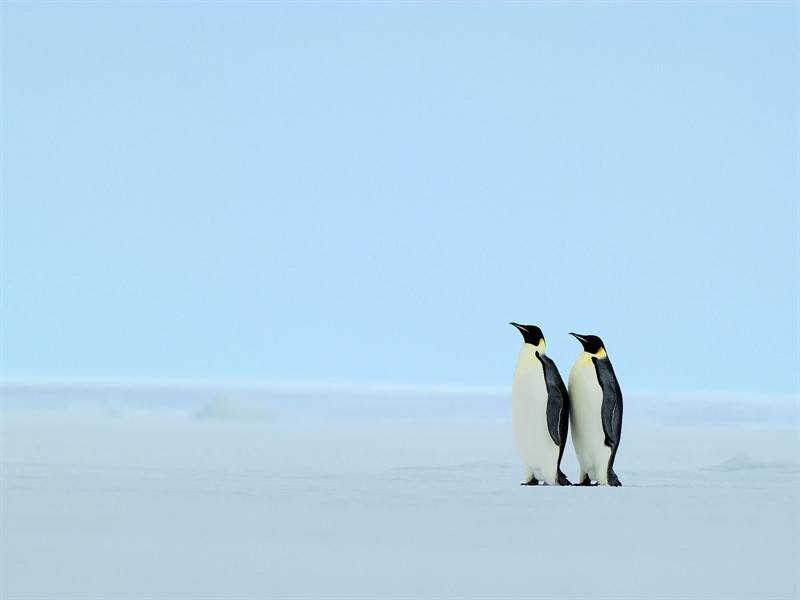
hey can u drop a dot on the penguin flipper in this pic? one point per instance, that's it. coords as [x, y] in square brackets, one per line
[611, 411]
[557, 403]
[562, 479]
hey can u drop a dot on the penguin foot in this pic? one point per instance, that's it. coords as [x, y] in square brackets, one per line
[533, 481]
[585, 481]
[613, 480]
[562, 479]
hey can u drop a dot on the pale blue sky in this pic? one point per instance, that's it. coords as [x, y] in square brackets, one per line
[372, 191]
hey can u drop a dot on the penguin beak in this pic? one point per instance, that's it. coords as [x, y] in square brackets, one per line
[580, 338]
[518, 326]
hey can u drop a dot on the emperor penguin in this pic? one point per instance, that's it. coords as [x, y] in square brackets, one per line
[539, 411]
[595, 412]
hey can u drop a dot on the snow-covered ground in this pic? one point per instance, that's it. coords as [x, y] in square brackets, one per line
[371, 494]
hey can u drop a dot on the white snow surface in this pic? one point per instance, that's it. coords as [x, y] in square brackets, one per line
[229, 498]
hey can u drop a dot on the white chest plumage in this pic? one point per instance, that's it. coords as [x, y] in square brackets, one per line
[529, 418]
[586, 425]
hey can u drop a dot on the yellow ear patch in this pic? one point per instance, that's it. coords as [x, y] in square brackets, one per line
[601, 353]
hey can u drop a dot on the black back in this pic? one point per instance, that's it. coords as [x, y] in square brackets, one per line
[611, 411]
[557, 403]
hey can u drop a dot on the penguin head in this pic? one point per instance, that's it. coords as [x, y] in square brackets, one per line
[591, 344]
[531, 334]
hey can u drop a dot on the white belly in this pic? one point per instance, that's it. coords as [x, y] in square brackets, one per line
[586, 425]
[529, 418]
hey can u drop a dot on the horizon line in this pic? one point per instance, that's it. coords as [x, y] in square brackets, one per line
[363, 386]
